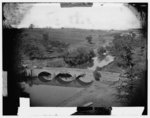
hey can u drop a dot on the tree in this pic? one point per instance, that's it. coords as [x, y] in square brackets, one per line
[100, 52]
[31, 26]
[89, 39]
[122, 48]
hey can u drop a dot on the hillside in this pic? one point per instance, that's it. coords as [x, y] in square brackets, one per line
[47, 43]
[47, 46]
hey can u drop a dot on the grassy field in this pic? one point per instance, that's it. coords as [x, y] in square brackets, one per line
[74, 37]
[53, 43]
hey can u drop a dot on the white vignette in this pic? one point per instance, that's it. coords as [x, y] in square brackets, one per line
[43, 116]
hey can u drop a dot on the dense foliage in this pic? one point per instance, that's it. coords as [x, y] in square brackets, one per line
[130, 53]
[79, 56]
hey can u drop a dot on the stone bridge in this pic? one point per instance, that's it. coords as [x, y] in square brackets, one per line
[74, 73]
[105, 76]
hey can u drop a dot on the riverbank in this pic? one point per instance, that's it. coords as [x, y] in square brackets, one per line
[97, 63]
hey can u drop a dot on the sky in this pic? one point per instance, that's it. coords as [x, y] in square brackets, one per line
[106, 16]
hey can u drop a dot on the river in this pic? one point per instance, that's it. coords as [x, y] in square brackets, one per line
[43, 95]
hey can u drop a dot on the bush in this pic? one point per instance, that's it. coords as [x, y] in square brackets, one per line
[97, 75]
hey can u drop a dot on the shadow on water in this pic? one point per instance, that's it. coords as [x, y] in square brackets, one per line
[64, 78]
[44, 76]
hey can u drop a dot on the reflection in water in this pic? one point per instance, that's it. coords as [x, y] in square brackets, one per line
[108, 59]
[42, 95]
[46, 95]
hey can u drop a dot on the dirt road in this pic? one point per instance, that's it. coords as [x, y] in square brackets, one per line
[99, 93]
